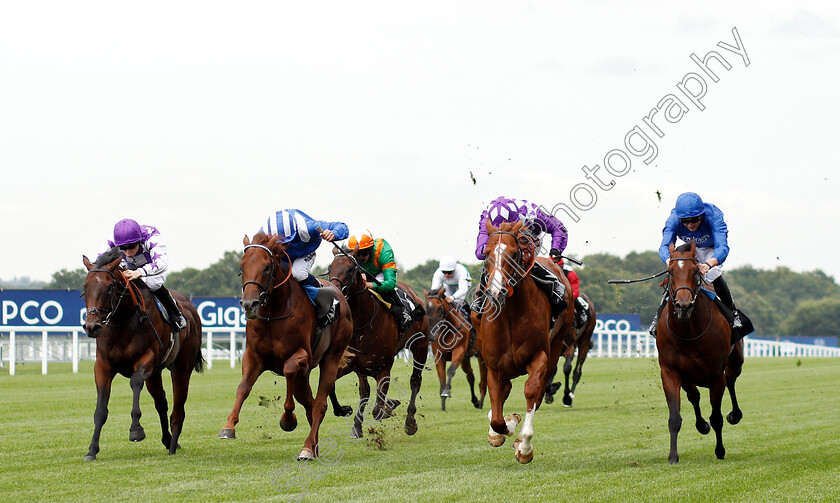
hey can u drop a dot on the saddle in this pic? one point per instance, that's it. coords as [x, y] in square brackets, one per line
[414, 311]
[739, 332]
[174, 338]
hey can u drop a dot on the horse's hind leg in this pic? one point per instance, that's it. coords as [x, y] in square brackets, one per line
[671, 386]
[338, 409]
[482, 380]
[138, 379]
[103, 377]
[364, 398]
[180, 389]
[466, 366]
[733, 370]
[155, 386]
[420, 350]
[458, 355]
[440, 366]
[252, 367]
[292, 370]
[693, 396]
[583, 351]
[568, 396]
[716, 395]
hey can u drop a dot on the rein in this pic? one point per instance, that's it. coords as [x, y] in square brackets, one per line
[520, 249]
[265, 291]
[350, 294]
[115, 301]
[672, 293]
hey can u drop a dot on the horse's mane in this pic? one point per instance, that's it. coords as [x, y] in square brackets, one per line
[685, 247]
[108, 257]
[435, 292]
[260, 238]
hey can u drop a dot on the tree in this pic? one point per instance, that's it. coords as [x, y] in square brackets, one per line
[814, 317]
[221, 279]
[64, 279]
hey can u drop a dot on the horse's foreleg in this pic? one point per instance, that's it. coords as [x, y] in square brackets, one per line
[716, 397]
[671, 386]
[415, 383]
[364, 398]
[583, 351]
[568, 396]
[457, 357]
[466, 366]
[500, 425]
[295, 366]
[155, 386]
[142, 371]
[482, 380]
[733, 370]
[252, 367]
[534, 387]
[103, 377]
[693, 396]
[440, 366]
[326, 384]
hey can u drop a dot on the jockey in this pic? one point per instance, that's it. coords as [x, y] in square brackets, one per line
[692, 219]
[503, 209]
[453, 277]
[581, 306]
[377, 259]
[304, 235]
[144, 256]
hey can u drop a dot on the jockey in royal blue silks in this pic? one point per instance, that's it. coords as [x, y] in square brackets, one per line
[692, 219]
[304, 235]
[504, 209]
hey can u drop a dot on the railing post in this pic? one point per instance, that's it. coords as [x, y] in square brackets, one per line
[75, 351]
[210, 349]
[12, 353]
[232, 349]
[44, 351]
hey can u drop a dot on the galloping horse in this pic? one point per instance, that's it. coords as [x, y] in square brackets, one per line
[133, 340]
[515, 338]
[375, 343]
[282, 336]
[581, 339]
[452, 340]
[694, 349]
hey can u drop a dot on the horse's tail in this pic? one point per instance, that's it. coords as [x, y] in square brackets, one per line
[346, 359]
[200, 362]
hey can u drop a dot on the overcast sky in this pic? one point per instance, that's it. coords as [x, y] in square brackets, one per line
[202, 118]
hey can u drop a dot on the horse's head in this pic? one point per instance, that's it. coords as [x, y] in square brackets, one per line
[436, 305]
[510, 254]
[683, 279]
[103, 290]
[259, 266]
[344, 273]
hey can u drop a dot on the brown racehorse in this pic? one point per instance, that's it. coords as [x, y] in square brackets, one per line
[452, 341]
[515, 337]
[282, 336]
[694, 349]
[133, 340]
[582, 341]
[375, 343]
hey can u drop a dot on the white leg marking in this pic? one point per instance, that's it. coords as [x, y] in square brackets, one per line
[526, 433]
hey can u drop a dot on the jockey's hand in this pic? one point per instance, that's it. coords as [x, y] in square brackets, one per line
[555, 254]
[370, 285]
[450, 299]
[132, 275]
[328, 235]
[704, 268]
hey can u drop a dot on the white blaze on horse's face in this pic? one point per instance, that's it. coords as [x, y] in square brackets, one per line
[497, 282]
[681, 263]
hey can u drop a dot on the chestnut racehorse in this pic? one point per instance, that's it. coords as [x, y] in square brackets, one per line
[582, 341]
[375, 343]
[515, 337]
[694, 349]
[282, 336]
[453, 341]
[133, 340]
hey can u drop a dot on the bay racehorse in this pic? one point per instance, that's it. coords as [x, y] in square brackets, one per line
[375, 343]
[580, 340]
[282, 336]
[515, 336]
[453, 339]
[693, 339]
[133, 340]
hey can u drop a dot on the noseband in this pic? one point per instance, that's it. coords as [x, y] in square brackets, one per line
[518, 257]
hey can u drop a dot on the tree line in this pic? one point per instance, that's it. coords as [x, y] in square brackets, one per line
[780, 302]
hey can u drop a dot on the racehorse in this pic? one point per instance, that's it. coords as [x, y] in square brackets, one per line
[694, 349]
[375, 343]
[133, 340]
[282, 336]
[515, 337]
[582, 341]
[453, 341]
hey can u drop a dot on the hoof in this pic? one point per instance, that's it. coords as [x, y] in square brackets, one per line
[524, 458]
[390, 405]
[90, 457]
[516, 418]
[306, 455]
[733, 417]
[137, 435]
[410, 426]
[704, 428]
[567, 400]
[476, 403]
[289, 425]
[673, 459]
[720, 453]
[549, 399]
[446, 393]
[356, 433]
[227, 433]
[343, 411]
[496, 440]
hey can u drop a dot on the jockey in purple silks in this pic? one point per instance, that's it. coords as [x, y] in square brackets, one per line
[504, 209]
[144, 256]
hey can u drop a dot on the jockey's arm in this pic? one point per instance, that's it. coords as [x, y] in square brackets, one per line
[437, 280]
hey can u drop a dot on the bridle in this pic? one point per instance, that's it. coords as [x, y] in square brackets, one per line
[672, 292]
[524, 253]
[115, 299]
[358, 274]
[266, 289]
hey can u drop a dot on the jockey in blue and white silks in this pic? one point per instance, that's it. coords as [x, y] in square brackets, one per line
[144, 256]
[505, 209]
[304, 235]
[693, 219]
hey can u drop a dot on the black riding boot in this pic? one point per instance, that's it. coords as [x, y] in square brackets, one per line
[652, 329]
[400, 313]
[478, 300]
[176, 319]
[722, 291]
[554, 288]
[581, 312]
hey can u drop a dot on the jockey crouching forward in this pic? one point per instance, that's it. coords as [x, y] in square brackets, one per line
[377, 259]
[304, 235]
[503, 209]
[144, 256]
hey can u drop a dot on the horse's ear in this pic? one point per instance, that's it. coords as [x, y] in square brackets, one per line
[489, 226]
[515, 229]
[693, 247]
[671, 249]
[441, 293]
[335, 251]
[246, 241]
[425, 293]
[86, 262]
[113, 266]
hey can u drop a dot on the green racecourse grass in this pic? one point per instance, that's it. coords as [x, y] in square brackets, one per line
[612, 446]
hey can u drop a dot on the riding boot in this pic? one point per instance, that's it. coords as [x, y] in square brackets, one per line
[581, 312]
[554, 288]
[722, 291]
[652, 329]
[478, 301]
[176, 319]
[398, 310]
